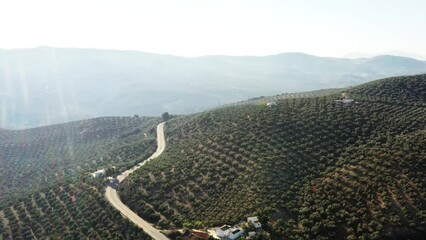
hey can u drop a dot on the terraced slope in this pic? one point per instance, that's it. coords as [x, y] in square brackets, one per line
[283, 96]
[46, 191]
[73, 209]
[405, 90]
[310, 167]
[65, 149]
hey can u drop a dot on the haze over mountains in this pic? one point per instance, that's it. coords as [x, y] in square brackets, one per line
[45, 85]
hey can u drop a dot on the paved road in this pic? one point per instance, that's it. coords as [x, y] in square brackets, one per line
[114, 199]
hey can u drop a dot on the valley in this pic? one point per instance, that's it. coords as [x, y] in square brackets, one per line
[309, 165]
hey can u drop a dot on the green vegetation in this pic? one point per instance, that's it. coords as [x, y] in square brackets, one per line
[317, 169]
[309, 167]
[165, 116]
[75, 209]
[402, 90]
[45, 186]
[310, 94]
[65, 149]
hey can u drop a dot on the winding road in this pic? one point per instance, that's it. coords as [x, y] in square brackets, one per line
[114, 199]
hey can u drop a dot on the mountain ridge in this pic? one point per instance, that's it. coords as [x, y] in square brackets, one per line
[208, 55]
[73, 84]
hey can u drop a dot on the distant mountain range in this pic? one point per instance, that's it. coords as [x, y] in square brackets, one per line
[45, 85]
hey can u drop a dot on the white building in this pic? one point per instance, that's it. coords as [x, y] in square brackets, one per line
[346, 102]
[235, 233]
[270, 104]
[223, 231]
[99, 173]
[254, 221]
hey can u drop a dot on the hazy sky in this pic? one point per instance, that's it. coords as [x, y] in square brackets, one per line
[230, 27]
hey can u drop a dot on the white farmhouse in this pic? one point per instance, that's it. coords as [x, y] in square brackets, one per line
[254, 221]
[99, 173]
[235, 233]
[223, 231]
[345, 102]
[270, 104]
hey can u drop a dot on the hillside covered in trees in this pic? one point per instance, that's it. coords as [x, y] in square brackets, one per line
[46, 190]
[311, 168]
